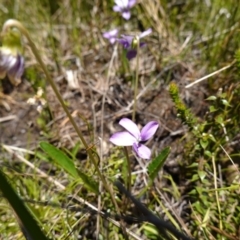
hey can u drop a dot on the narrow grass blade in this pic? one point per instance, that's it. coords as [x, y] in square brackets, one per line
[28, 222]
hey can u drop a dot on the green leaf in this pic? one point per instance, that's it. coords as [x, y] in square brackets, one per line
[202, 174]
[90, 183]
[226, 103]
[208, 153]
[193, 165]
[157, 163]
[212, 98]
[212, 109]
[194, 178]
[204, 143]
[219, 119]
[150, 231]
[27, 222]
[60, 158]
[206, 218]
[67, 164]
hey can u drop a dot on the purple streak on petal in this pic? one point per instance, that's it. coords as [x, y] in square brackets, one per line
[131, 54]
[126, 14]
[131, 127]
[15, 72]
[149, 130]
[145, 33]
[18, 67]
[142, 44]
[135, 147]
[142, 151]
[131, 3]
[126, 41]
[122, 139]
[117, 9]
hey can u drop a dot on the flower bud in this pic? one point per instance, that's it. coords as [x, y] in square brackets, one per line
[135, 42]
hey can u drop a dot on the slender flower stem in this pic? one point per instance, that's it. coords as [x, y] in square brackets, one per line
[14, 23]
[136, 81]
[129, 180]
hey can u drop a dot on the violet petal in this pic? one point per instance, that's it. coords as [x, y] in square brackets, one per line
[131, 127]
[117, 9]
[145, 33]
[149, 130]
[110, 34]
[122, 139]
[126, 14]
[121, 3]
[131, 54]
[7, 60]
[112, 40]
[142, 151]
[131, 3]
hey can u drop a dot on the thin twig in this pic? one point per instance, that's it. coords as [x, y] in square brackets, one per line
[216, 192]
[210, 75]
[148, 86]
[136, 81]
[8, 118]
[230, 158]
[106, 86]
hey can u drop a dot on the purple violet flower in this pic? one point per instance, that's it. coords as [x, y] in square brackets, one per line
[129, 44]
[111, 35]
[123, 6]
[11, 59]
[11, 64]
[133, 137]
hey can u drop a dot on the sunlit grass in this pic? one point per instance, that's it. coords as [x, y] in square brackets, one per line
[189, 41]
